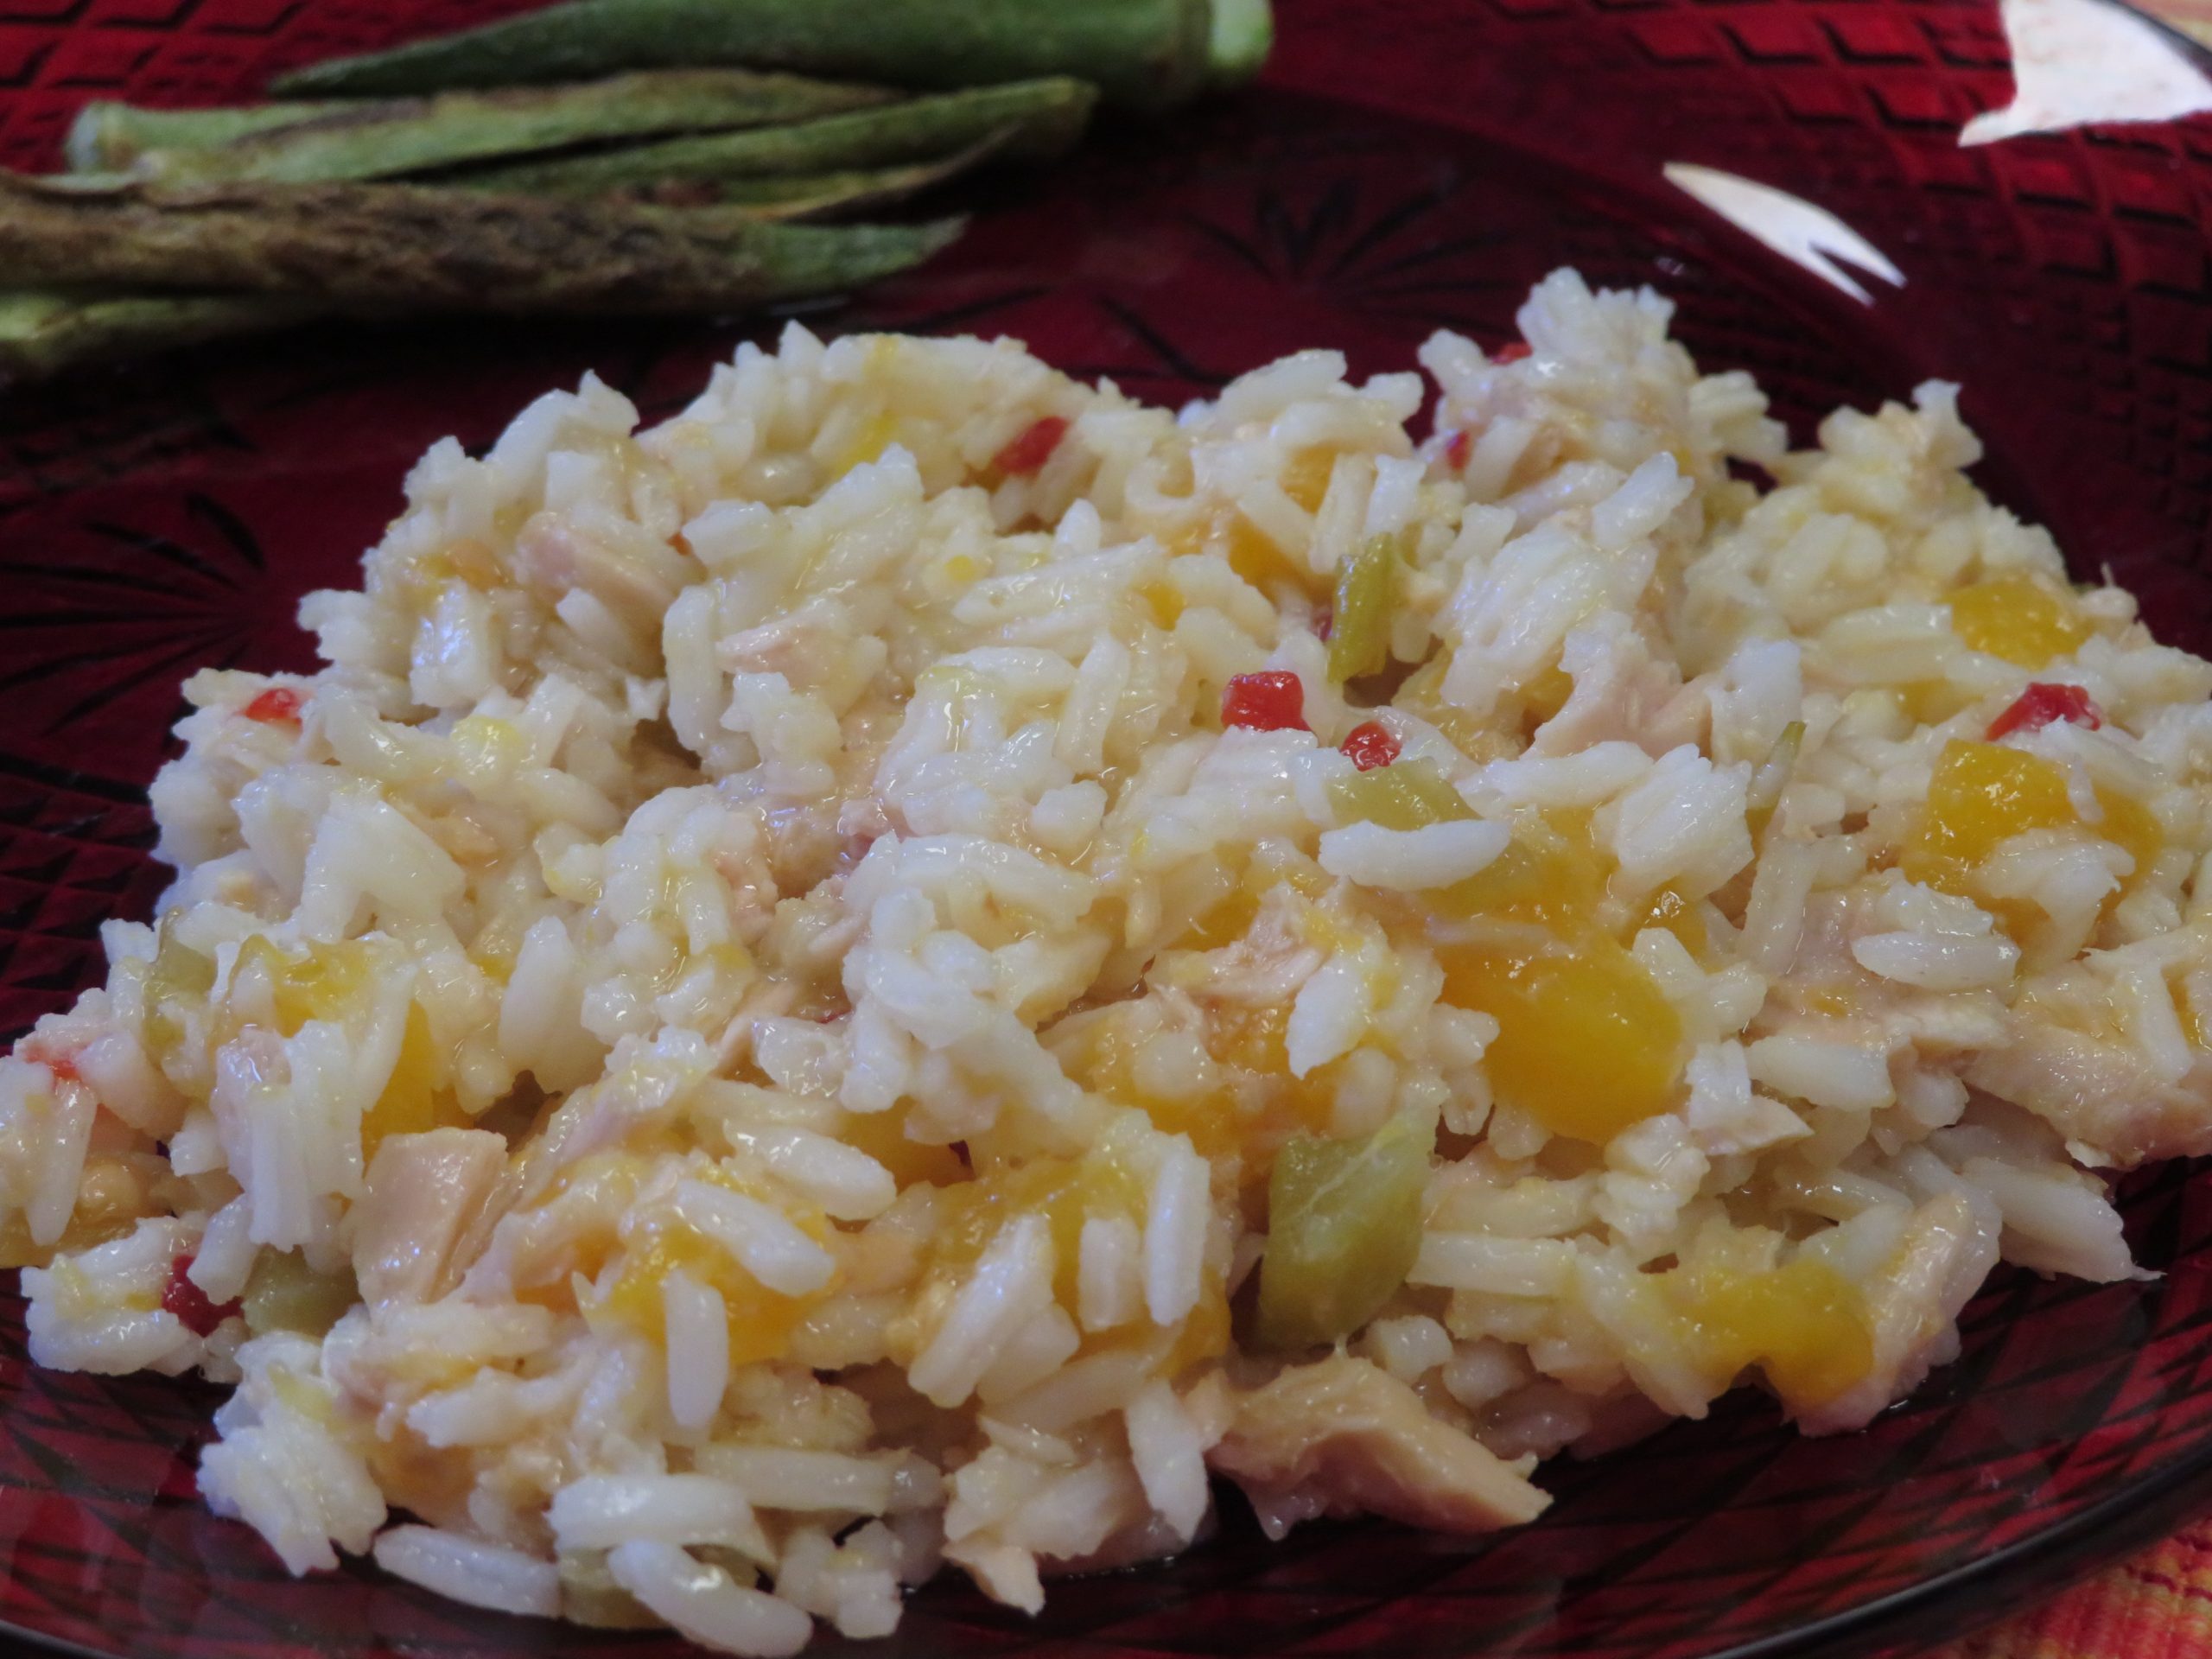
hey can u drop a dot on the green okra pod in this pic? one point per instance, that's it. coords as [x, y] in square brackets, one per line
[1142, 54]
[108, 137]
[823, 195]
[1028, 120]
[45, 331]
[407, 247]
[393, 138]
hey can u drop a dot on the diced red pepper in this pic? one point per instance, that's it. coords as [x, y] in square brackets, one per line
[2042, 704]
[278, 702]
[1033, 447]
[1370, 744]
[1512, 351]
[190, 1304]
[63, 1065]
[1325, 624]
[1270, 702]
[1458, 448]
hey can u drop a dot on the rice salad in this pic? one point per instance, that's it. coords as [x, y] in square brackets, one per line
[902, 968]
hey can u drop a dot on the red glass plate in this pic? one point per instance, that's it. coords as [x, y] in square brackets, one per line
[1407, 166]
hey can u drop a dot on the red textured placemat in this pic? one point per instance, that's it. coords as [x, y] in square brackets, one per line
[2156, 1605]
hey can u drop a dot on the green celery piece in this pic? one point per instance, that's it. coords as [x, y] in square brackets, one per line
[284, 1294]
[1404, 796]
[1343, 1227]
[1367, 592]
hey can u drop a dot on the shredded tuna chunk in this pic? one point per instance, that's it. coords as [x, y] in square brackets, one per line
[423, 1192]
[1342, 1437]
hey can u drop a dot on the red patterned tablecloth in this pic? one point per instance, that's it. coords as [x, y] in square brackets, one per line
[2157, 1605]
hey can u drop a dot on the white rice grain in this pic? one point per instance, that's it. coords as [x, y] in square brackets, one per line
[696, 1321]
[470, 1571]
[706, 1605]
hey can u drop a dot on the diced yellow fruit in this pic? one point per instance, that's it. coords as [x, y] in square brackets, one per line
[488, 750]
[1254, 556]
[1421, 697]
[1066, 1192]
[1306, 476]
[1804, 1325]
[1982, 794]
[110, 1200]
[1226, 921]
[1251, 552]
[321, 984]
[493, 959]
[329, 982]
[1163, 604]
[1204, 1335]
[1550, 872]
[760, 1320]
[1670, 911]
[418, 580]
[1546, 695]
[1343, 1227]
[2017, 618]
[474, 563]
[882, 1136]
[1930, 703]
[412, 1102]
[1835, 1000]
[2132, 827]
[1587, 1045]
[1255, 1040]
[591, 1196]
[867, 443]
[301, 1395]
[1106, 1066]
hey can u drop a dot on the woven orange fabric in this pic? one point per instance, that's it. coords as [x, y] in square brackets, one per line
[2156, 1606]
[2191, 16]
